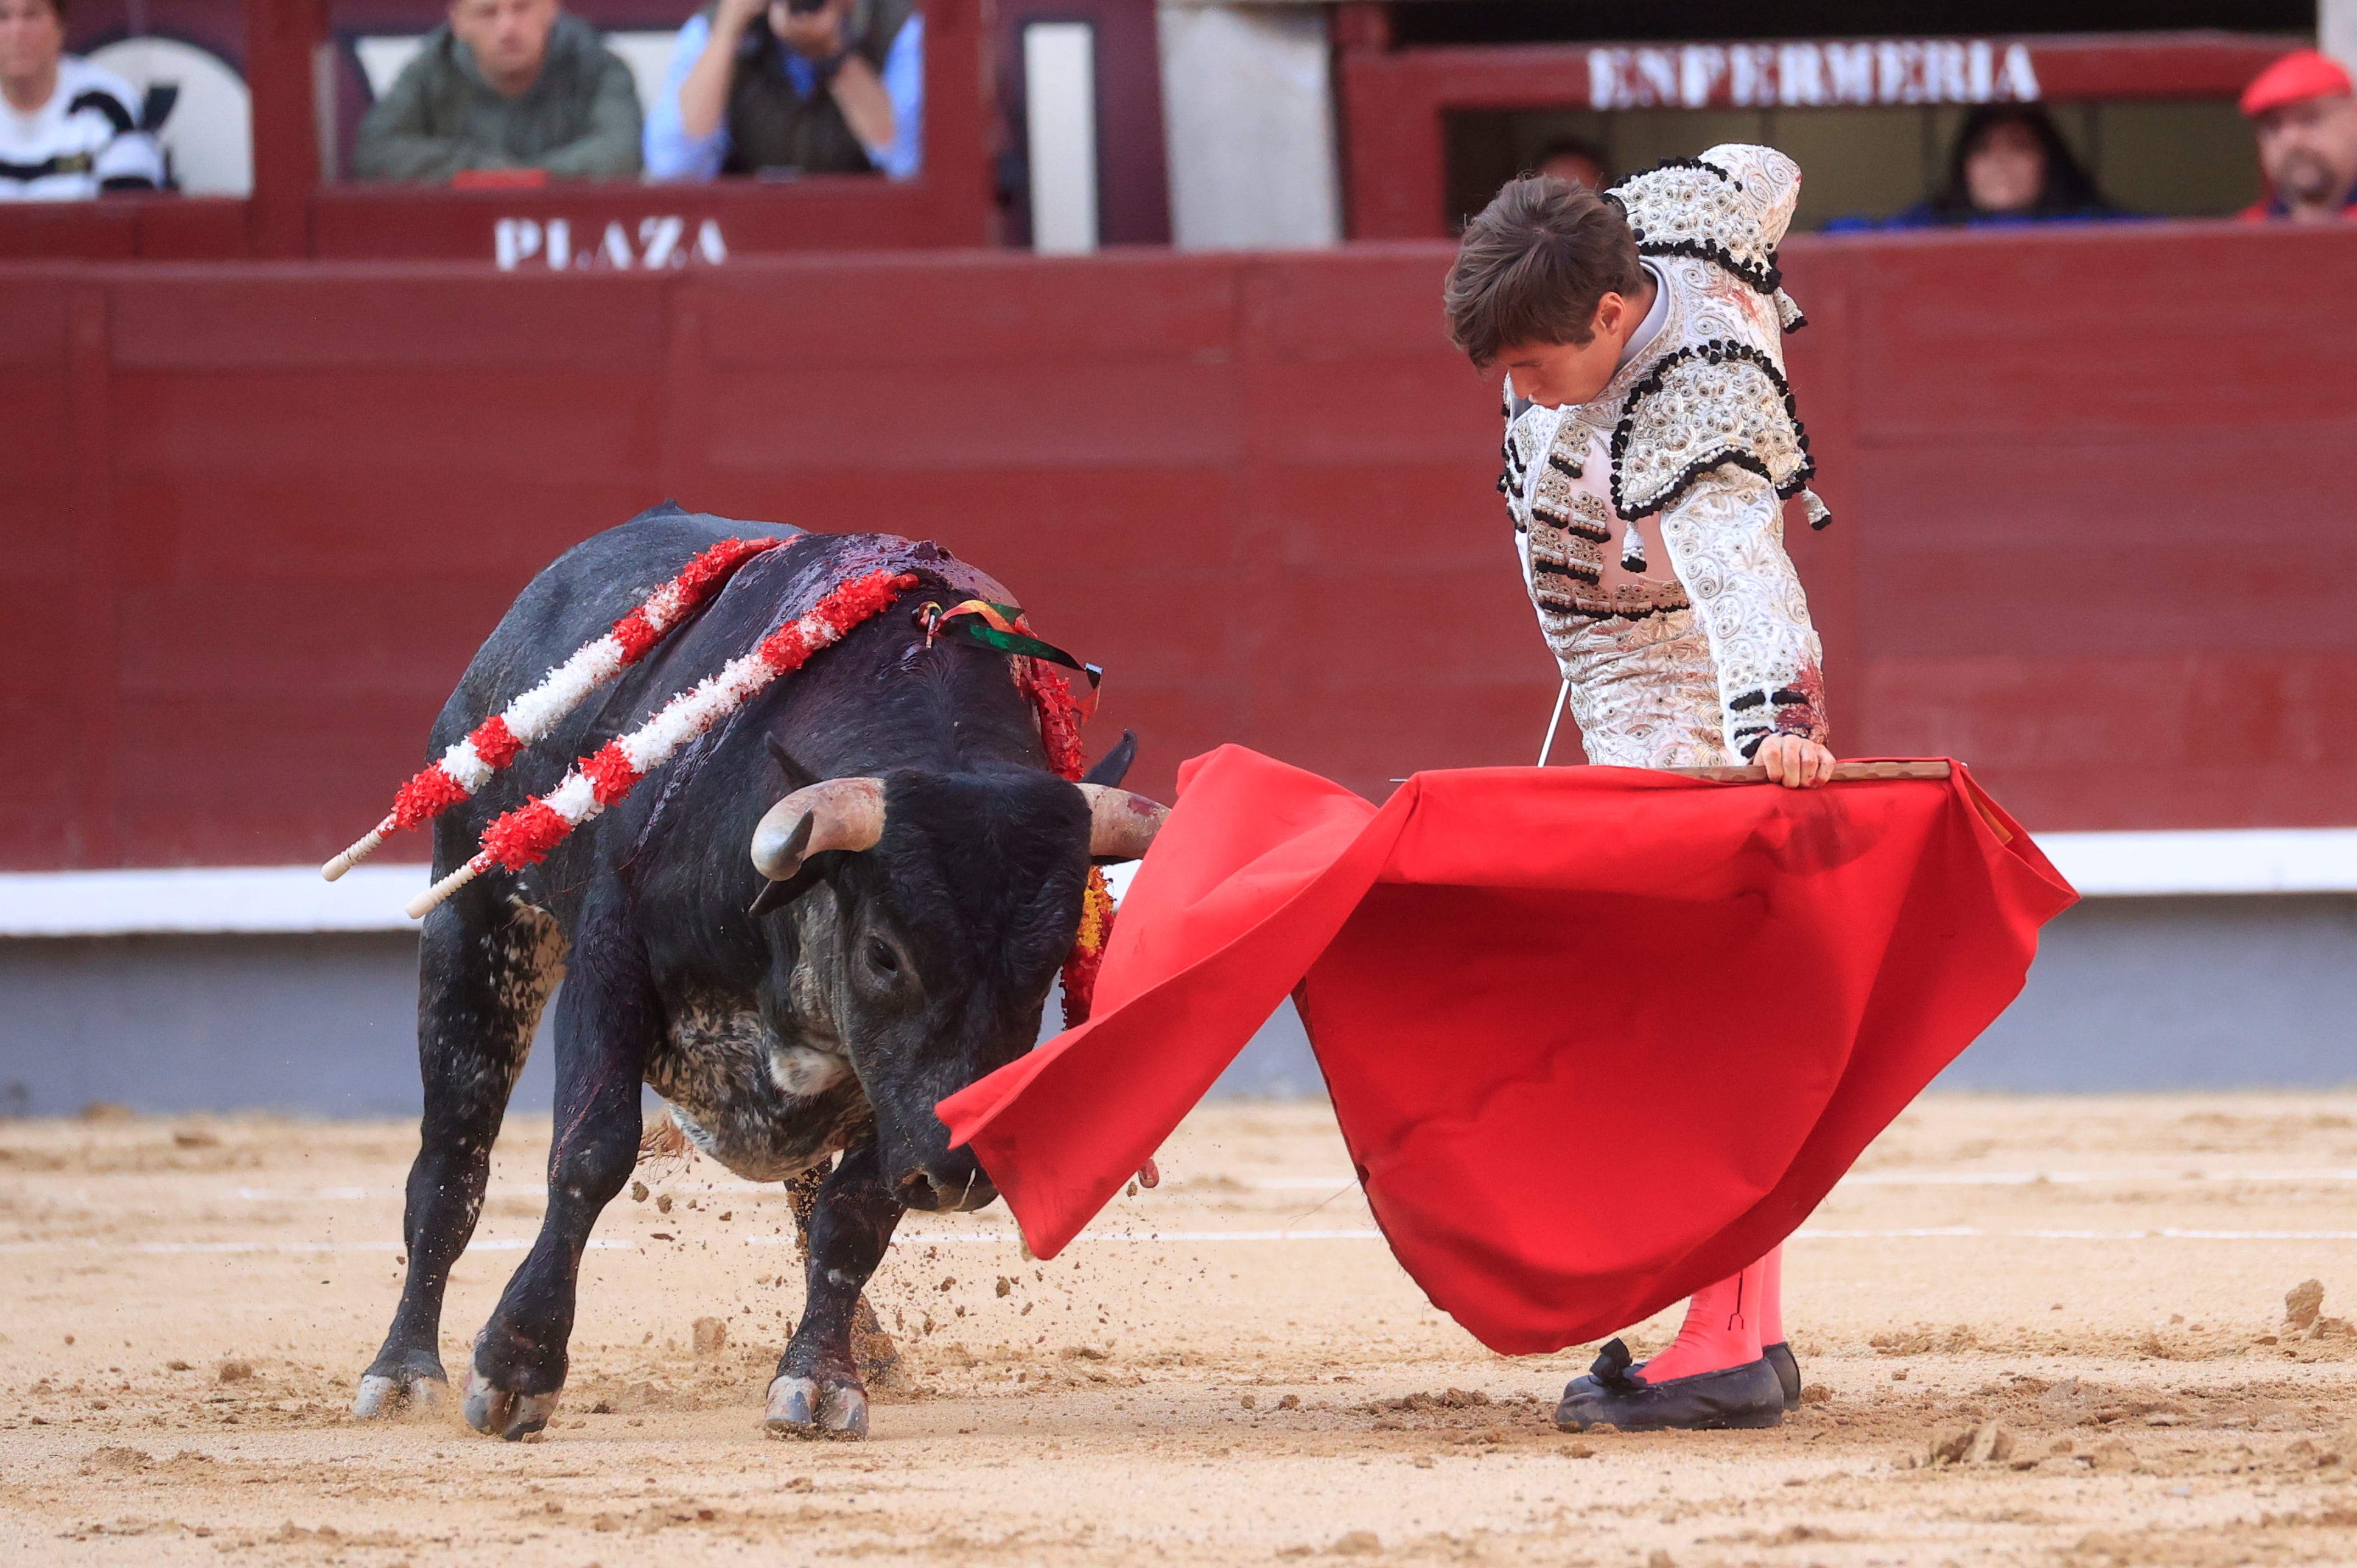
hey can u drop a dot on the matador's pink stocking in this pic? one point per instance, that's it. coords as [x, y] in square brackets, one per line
[1721, 1330]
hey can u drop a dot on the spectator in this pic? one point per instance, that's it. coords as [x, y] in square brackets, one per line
[2305, 120]
[68, 132]
[818, 86]
[504, 84]
[1568, 157]
[2008, 165]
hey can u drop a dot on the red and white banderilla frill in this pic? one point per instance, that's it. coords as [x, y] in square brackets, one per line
[490, 746]
[524, 836]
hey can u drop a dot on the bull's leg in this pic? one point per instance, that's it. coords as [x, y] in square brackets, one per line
[485, 968]
[818, 1392]
[607, 1021]
[872, 1349]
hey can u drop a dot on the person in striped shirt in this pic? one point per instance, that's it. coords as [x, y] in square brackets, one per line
[69, 129]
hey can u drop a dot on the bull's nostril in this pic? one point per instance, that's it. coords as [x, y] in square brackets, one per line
[916, 1190]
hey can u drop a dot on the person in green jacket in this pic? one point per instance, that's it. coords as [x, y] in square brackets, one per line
[505, 84]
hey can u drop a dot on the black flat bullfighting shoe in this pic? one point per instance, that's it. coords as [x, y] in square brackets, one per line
[1612, 1394]
[1788, 1371]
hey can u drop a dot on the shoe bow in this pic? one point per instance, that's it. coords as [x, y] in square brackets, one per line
[1610, 1368]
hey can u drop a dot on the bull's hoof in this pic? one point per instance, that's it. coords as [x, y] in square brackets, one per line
[805, 1407]
[412, 1393]
[501, 1412]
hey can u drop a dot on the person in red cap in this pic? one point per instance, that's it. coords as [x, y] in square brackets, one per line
[2306, 119]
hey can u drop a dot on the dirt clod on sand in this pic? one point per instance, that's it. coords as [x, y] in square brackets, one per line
[233, 1370]
[2302, 1303]
[1987, 1444]
[2112, 1454]
[711, 1336]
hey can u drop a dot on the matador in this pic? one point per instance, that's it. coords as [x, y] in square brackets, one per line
[1651, 445]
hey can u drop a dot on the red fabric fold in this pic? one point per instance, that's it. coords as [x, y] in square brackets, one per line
[1595, 1036]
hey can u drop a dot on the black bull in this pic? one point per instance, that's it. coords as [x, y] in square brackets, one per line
[888, 968]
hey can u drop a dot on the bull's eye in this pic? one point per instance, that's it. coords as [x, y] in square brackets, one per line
[886, 960]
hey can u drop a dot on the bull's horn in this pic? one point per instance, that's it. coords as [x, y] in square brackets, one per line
[840, 813]
[1121, 825]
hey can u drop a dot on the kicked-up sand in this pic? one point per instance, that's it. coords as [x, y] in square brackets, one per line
[2034, 1331]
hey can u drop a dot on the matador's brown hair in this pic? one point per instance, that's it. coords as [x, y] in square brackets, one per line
[1532, 266]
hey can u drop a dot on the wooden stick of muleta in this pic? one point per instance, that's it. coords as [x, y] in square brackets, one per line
[1843, 772]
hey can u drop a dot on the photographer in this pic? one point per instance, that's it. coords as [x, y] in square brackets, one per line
[814, 86]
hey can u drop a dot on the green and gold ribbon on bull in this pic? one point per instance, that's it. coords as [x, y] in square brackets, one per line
[1063, 703]
[1001, 626]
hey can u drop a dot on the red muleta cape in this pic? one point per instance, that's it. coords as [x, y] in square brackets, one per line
[1595, 1036]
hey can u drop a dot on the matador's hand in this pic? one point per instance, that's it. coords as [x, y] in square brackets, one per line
[1794, 761]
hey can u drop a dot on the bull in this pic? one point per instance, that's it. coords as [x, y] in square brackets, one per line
[838, 907]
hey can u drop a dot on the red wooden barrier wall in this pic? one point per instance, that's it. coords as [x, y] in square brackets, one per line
[2092, 535]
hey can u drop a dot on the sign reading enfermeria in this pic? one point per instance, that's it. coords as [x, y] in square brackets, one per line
[1808, 75]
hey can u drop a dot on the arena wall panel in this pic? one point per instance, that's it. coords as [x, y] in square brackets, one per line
[2092, 534]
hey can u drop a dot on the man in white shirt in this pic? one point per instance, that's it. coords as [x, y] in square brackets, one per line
[69, 130]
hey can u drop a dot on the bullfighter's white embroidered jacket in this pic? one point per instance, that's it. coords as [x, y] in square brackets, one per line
[1683, 461]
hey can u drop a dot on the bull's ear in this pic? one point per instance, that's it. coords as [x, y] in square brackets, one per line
[1114, 766]
[797, 776]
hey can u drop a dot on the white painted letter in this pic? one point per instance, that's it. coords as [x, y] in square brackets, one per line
[1701, 68]
[1604, 70]
[615, 248]
[1799, 74]
[2020, 82]
[512, 239]
[1751, 76]
[1657, 78]
[1850, 67]
[560, 244]
[1943, 73]
[708, 244]
[1899, 72]
[660, 239]
[1980, 67]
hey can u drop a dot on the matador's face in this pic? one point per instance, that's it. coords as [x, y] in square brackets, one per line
[1563, 375]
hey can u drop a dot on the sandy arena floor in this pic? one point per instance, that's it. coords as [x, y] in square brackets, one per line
[2093, 1288]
